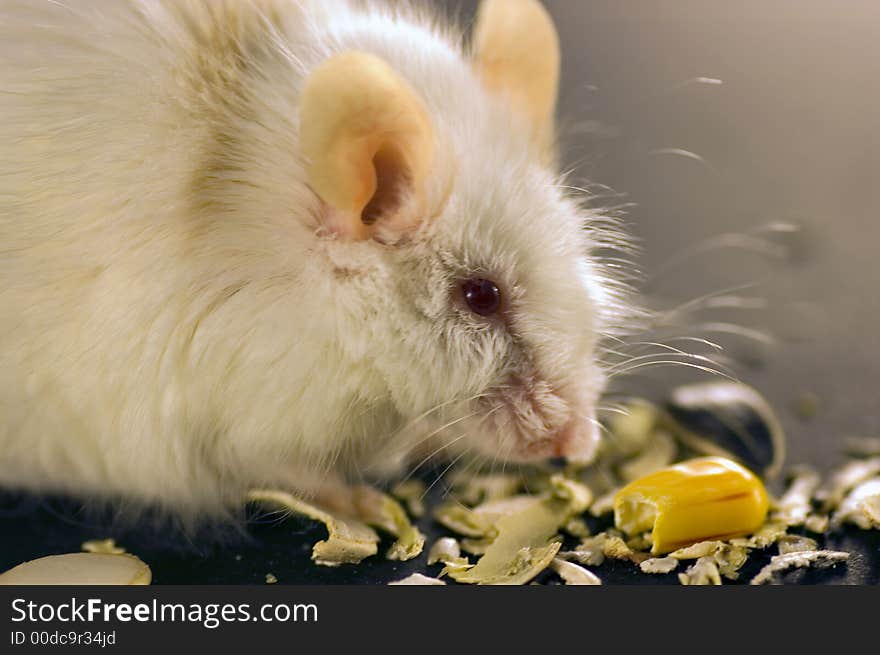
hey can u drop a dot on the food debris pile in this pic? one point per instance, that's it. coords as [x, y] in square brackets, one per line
[676, 490]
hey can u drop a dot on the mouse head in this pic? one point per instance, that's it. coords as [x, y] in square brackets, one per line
[486, 306]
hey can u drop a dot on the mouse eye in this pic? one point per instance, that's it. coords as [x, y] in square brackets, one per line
[482, 296]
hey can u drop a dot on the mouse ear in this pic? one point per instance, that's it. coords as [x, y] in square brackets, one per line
[516, 51]
[368, 144]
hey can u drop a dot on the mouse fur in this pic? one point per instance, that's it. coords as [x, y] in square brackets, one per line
[176, 323]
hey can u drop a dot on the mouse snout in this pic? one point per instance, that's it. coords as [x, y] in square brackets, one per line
[578, 440]
[529, 419]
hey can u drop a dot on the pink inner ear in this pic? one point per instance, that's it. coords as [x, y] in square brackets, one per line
[392, 181]
[368, 142]
[393, 207]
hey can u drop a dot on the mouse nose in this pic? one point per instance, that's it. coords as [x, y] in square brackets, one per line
[578, 441]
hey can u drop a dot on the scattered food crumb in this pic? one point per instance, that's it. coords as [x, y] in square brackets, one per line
[603, 504]
[697, 550]
[616, 548]
[862, 446]
[801, 559]
[106, 546]
[861, 507]
[845, 478]
[795, 543]
[411, 493]
[574, 574]
[577, 527]
[443, 550]
[418, 579]
[817, 523]
[381, 511]
[349, 541]
[795, 505]
[659, 565]
[703, 572]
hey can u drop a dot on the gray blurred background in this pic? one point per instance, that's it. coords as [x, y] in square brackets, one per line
[744, 139]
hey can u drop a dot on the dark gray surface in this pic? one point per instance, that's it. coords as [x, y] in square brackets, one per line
[33, 528]
[792, 135]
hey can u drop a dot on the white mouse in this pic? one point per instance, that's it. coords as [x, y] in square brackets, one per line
[268, 242]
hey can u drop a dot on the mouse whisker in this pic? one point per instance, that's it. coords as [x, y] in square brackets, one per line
[433, 454]
[447, 445]
[666, 317]
[449, 424]
[485, 417]
[646, 358]
[705, 369]
[445, 470]
[666, 346]
[744, 241]
[738, 330]
[613, 409]
[471, 464]
[409, 424]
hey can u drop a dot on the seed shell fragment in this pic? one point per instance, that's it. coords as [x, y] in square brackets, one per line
[80, 569]
[799, 559]
[349, 541]
[418, 579]
[574, 574]
[729, 419]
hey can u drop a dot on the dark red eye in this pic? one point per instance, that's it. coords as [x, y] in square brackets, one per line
[482, 296]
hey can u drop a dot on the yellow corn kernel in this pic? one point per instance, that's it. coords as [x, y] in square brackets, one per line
[701, 499]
